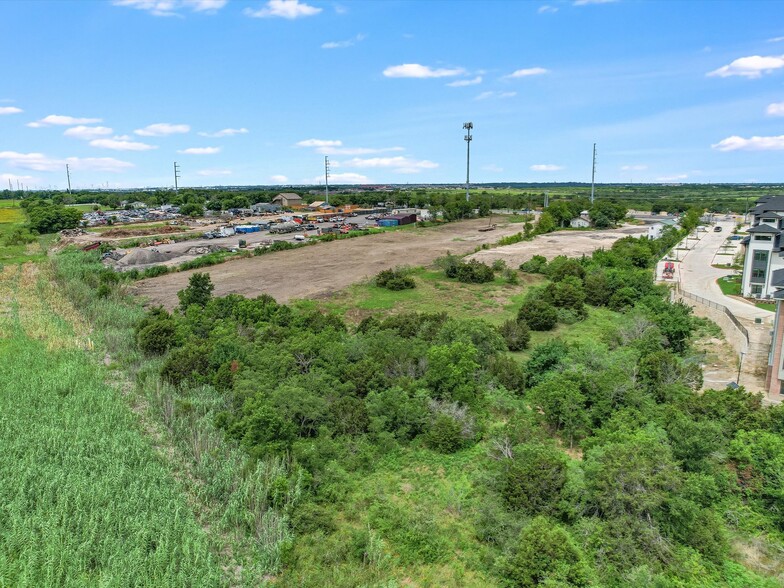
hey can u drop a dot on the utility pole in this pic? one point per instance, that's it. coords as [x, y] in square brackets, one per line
[326, 176]
[468, 126]
[176, 177]
[593, 173]
[10, 188]
[546, 199]
[68, 173]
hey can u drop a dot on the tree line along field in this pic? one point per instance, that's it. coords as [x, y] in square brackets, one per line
[667, 197]
[377, 438]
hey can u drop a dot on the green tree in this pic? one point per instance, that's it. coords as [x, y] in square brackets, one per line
[538, 314]
[532, 479]
[198, 292]
[545, 555]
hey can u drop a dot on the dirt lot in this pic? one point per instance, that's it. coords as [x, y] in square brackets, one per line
[328, 267]
[569, 243]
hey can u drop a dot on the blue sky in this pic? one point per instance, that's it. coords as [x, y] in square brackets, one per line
[241, 92]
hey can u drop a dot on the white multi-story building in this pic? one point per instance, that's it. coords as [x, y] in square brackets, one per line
[765, 248]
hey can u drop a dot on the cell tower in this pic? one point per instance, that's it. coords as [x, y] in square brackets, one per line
[68, 174]
[468, 126]
[326, 177]
[176, 177]
[593, 173]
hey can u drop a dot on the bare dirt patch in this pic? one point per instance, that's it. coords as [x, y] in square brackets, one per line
[329, 267]
[569, 243]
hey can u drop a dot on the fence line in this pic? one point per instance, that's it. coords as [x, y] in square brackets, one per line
[711, 304]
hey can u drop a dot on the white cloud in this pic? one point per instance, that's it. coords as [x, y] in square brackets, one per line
[226, 133]
[633, 167]
[775, 109]
[162, 129]
[463, 83]
[776, 40]
[10, 110]
[86, 133]
[415, 70]
[493, 168]
[546, 8]
[213, 172]
[173, 7]
[400, 164]
[58, 119]
[120, 145]
[547, 167]
[587, 2]
[123, 137]
[319, 143]
[200, 150]
[736, 143]
[289, 9]
[486, 95]
[674, 178]
[527, 72]
[343, 44]
[279, 179]
[40, 162]
[749, 67]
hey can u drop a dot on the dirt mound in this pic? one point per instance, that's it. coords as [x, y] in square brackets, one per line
[144, 257]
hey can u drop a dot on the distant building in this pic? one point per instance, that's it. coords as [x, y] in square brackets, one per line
[656, 229]
[262, 207]
[287, 199]
[580, 222]
[320, 205]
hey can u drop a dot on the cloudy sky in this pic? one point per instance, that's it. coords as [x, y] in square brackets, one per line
[243, 92]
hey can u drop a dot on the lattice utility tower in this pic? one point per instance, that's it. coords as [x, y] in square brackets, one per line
[468, 126]
[326, 177]
[176, 177]
[593, 173]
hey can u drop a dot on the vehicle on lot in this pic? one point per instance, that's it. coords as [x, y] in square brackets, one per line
[310, 227]
[299, 237]
[734, 238]
[717, 229]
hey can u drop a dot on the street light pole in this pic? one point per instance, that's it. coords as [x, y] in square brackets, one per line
[468, 126]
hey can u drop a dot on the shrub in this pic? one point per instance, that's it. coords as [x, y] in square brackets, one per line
[157, 336]
[536, 265]
[516, 333]
[154, 271]
[538, 314]
[452, 426]
[532, 479]
[474, 272]
[511, 276]
[395, 279]
[499, 265]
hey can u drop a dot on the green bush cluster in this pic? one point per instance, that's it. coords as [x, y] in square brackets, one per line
[395, 279]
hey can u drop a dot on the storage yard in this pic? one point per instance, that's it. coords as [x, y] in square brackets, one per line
[328, 267]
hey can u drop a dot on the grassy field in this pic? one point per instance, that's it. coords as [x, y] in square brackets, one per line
[86, 501]
[12, 219]
[495, 301]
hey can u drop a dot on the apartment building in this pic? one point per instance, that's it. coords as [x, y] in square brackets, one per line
[764, 248]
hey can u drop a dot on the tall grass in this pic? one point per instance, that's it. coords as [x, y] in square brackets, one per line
[85, 501]
[246, 502]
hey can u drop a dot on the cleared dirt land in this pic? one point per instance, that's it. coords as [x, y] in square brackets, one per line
[329, 267]
[569, 243]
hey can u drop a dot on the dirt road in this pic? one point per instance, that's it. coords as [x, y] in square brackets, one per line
[328, 267]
